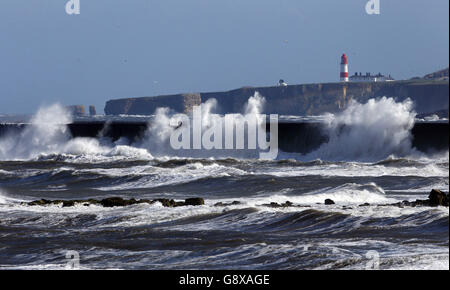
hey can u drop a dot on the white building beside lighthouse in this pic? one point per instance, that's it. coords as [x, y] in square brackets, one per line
[368, 77]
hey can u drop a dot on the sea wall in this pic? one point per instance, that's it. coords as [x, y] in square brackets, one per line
[307, 99]
[299, 137]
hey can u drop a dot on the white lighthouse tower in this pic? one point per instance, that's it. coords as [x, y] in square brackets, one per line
[344, 68]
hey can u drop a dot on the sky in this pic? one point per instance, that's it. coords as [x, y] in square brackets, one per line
[134, 48]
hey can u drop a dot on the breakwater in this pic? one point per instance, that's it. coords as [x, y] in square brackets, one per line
[298, 137]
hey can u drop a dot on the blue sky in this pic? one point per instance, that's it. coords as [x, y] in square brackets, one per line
[132, 48]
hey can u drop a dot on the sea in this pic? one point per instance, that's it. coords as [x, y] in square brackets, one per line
[238, 227]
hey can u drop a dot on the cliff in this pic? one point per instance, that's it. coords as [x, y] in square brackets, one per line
[442, 74]
[92, 110]
[76, 110]
[307, 99]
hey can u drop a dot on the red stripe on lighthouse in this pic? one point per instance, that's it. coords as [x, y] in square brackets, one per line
[344, 74]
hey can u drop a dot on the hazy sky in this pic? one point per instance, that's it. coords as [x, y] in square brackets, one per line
[126, 48]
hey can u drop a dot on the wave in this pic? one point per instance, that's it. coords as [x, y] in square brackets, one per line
[251, 215]
[345, 194]
[48, 137]
[46, 133]
[246, 176]
[370, 132]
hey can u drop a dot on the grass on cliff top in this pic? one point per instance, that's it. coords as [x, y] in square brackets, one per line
[426, 82]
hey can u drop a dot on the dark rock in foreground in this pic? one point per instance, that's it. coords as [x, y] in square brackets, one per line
[118, 201]
[194, 201]
[275, 204]
[228, 204]
[329, 201]
[436, 198]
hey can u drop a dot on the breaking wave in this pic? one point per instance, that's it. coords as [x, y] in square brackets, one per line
[377, 130]
[371, 131]
[48, 136]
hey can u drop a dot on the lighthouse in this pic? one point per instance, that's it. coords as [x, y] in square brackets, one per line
[344, 68]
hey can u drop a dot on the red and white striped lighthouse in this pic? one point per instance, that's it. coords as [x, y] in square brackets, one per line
[344, 68]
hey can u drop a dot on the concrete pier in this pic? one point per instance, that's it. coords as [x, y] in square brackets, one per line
[299, 137]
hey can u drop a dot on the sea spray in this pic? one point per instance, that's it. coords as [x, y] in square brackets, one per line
[46, 133]
[211, 134]
[255, 104]
[370, 131]
[362, 132]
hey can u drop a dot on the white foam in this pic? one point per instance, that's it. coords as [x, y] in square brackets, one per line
[390, 256]
[46, 133]
[356, 169]
[370, 131]
[422, 262]
[346, 194]
[5, 199]
[2, 198]
[4, 172]
[166, 123]
[152, 176]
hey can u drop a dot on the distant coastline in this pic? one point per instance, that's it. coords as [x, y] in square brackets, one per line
[429, 96]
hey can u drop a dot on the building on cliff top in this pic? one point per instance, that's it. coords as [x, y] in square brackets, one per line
[368, 77]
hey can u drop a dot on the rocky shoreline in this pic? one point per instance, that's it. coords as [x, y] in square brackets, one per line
[435, 198]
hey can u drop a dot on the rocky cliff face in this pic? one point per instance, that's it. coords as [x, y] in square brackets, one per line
[442, 74]
[76, 110]
[92, 110]
[148, 105]
[307, 99]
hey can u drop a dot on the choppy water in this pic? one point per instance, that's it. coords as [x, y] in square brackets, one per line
[246, 236]
[42, 163]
